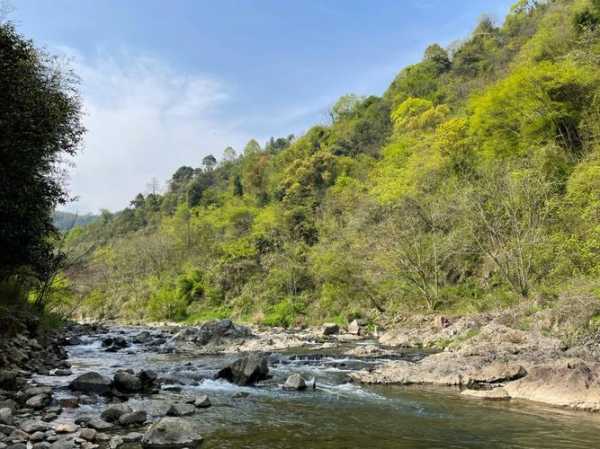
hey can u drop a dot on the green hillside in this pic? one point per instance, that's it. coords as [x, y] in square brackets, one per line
[472, 184]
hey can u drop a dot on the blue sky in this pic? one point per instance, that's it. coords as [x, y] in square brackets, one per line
[165, 83]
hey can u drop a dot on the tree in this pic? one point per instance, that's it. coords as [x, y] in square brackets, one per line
[229, 154]
[40, 125]
[209, 162]
[252, 147]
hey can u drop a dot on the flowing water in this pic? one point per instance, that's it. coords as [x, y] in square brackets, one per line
[338, 414]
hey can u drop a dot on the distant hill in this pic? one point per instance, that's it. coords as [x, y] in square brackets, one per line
[67, 220]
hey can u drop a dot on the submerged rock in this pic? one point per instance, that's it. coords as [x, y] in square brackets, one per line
[172, 433]
[247, 370]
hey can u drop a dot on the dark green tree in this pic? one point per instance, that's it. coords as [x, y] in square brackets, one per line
[39, 126]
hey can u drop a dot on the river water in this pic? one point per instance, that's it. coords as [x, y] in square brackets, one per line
[338, 414]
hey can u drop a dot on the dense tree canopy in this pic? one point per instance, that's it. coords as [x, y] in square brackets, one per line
[39, 126]
[471, 184]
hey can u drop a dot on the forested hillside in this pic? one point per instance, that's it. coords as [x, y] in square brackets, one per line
[472, 184]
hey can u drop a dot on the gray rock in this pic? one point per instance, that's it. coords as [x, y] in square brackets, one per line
[34, 391]
[215, 333]
[127, 383]
[6, 430]
[295, 382]
[88, 434]
[172, 433]
[115, 442]
[36, 437]
[115, 411]
[330, 329]
[142, 337]
[34, 426]
[63, 444]
[63, 372]
[102, 437]
[38, 401]
[181, 410]
[9, 403]
[17, 446]
[17, 436]
[133, 437]
[202, 401]
[6, 416]
[247, 370]
[69, 402]
[99, 424]
[42, 445]
[137, 417]
[92, 383]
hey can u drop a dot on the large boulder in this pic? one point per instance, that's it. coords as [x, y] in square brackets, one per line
[247, 370]
[214, 333]
[92, 383]
[127, 383]
[172, 433]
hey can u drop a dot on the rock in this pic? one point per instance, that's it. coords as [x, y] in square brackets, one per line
[564, 383]
[17, 436]
[99, 424]
[354, 328]
[38, 401]
[115, 342]
[66, 428]
[35, 391]
[172, 433]
[202, 401]
[127, 383]
[63, 444]
[88, 434]
[213, 333]
[63, 372]
[149, 380]
[498, 372]
[133, 437]
[34, 426]
[173, 388]
[247, 370]
[92, 383]
[10, 380]
[6, 430]
[36, 437]
[142, 338]
[181, 410]
[115, 411]
[42, 445]
[330, 329]
[17, 446]
[129, 419]
[294, 382]
[6, 416]
[115, 442]
[10, 404]
[495, 394]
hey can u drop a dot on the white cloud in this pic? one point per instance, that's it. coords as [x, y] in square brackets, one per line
[144, 120]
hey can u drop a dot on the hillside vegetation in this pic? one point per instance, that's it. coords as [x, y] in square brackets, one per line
[472, 184]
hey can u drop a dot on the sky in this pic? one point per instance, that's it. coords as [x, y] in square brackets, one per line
[165, 83]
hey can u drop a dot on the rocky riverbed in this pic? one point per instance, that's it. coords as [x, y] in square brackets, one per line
[225, 385]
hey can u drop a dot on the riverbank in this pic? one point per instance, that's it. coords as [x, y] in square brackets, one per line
[120, 385]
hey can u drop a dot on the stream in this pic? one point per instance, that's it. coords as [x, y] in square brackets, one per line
[337, 414]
